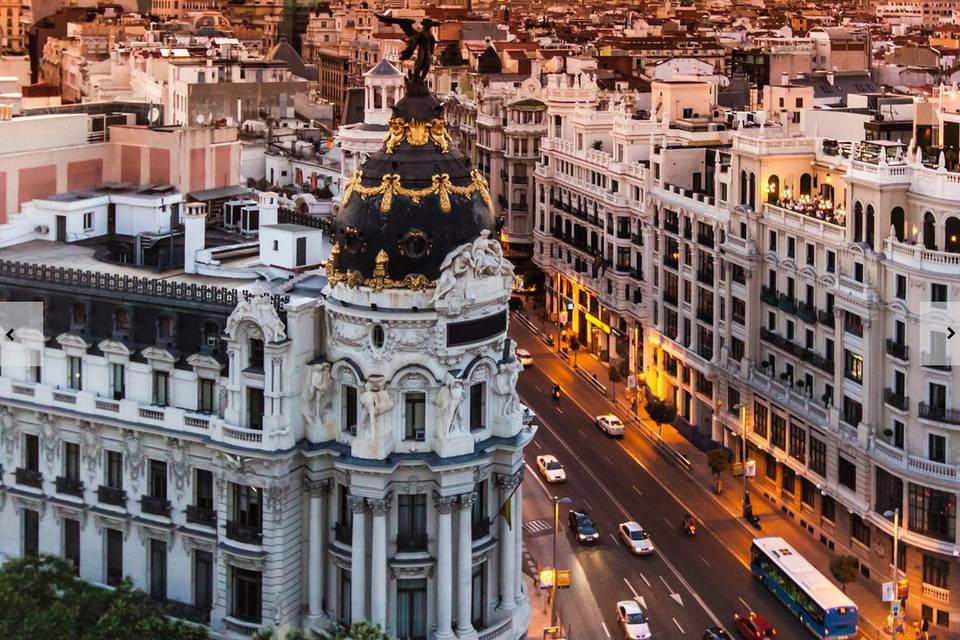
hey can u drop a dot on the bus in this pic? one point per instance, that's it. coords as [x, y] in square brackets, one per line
[821, 607]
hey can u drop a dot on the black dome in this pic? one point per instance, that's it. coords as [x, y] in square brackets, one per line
[415, 200]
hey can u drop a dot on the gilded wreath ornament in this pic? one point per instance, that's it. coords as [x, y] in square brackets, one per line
[391, 185]
[379, 281]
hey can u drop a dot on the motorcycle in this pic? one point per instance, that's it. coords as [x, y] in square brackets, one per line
[690, 528]
[556, 393]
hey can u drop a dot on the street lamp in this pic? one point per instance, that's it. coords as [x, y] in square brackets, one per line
[557, 501]
[895, 514]
[743, 453]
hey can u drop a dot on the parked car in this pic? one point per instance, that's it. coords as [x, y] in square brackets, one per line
[715, 633]
[636, 539]
[753, 627]
[610, 424]
[551, 469]
[583, 525]
[633, 620]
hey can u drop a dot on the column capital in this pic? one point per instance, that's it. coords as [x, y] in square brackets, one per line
[317, 488]
[381, 506]
[508, 481]
[466, 500]
[358, 504]
[444, 504]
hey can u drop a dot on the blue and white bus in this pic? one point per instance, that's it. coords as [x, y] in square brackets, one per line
[822, 608]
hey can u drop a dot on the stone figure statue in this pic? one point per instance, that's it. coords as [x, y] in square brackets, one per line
[448, 402]
[422, 43]
[221, 399]
[505, 384]
[488, 256]
[317, 396]
[376, 402]
[453, 271]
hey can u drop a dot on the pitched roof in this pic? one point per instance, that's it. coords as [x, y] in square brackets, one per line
[384, 69]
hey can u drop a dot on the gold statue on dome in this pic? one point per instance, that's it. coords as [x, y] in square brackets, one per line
[439, 135]
[398, 130]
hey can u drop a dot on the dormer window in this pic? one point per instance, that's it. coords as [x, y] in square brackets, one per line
[210, 334]
[78, 314]
[164, 327]
[121, 320]
[255, 360]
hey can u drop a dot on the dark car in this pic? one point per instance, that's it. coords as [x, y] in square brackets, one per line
[753, 627]
[583, 526]
[715, 633]
[515, 304]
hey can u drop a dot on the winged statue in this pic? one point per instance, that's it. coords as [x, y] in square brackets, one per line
[420, 42]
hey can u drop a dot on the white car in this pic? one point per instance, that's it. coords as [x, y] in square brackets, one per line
[636, 539]
[524, 356]
[610, 424]
[633, 620]
[551, 469]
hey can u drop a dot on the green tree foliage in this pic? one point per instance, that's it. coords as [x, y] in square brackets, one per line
[360, 631]
[661, 412]
[844, 570]
[718, 461]
[614, 375]
[574, 346]
[43, 599]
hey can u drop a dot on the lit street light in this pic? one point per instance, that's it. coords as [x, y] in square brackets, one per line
[557, 501]
[894, 602]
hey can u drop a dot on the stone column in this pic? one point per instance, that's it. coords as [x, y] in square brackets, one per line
[507, 541]
[444, 577]
[465, 566]
[378, 561]
[358, 558]
[318, 490]
[332, 570]
[516, 506]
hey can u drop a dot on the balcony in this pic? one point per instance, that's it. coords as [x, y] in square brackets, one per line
[787, 303]
[29, 478]
[938, 362]
[939, 414]
[411, 542]
[343, 533]
[768, 295]
[807, 312]
[112, 496]
[182, 610]
[244, 533]
[481, 529]
[898, 350]
[826, 318]
[155, 506]
[936, 593]
[898, 400]
[70, 486]
[636, 238]
[201, 515]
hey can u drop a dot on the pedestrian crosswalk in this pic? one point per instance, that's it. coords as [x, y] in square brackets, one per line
[536, 526]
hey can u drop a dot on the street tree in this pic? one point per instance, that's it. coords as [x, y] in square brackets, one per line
[614, 375]
[661, 412]
[719, 461]
[844, 570]
[574, 346]
[362, 630]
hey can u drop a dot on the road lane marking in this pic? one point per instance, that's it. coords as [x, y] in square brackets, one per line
[632, 590]
[678, 625]
[673, 594]
[667, 521]
[537, 387]
[673, 569]
[609, 461]
[749, 608]
[559, 410]
[645, 581]
[582, 434]
[639, 493]
[615, 538]
[587, 502]
[704, 560]
[604, 625]
[537, 444]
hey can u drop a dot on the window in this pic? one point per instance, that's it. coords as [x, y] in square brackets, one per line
[788, 480]
[350, 409]
[205, 395]
[113, 472]
[245, 595]
[161, 388]
[936, 571]
[478, 593]
[118, 381]
[415, 406]
[831, 262]
[938, 294]
[71, 461]
[71, 543]
[412, 609]
[853, 363]
[74, 373]
[798, 442]
[897, 434]
[254, 408]
[158, 569]
[202, 580]
[852, 412]
[778, 431]
[739, 310]
[808, 492]
[889, 491]
[477, 402]
[936, 447]
[412, 522]
[114, 545]
[828, 508]
[847, 473]
[157, 485]
[88, 221]
[164, 327]
[771, 466]
[255, 360]
[859, 530]
[31, 532]
[818, 456]
[932, 512]
[901, 292]
[760, 419]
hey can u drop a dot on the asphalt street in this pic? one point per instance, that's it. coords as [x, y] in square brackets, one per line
[689, 584]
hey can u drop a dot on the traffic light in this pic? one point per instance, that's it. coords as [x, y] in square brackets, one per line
[903, 588]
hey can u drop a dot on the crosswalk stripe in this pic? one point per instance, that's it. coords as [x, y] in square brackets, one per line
[533, 526]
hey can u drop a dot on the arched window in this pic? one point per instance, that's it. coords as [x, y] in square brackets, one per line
[773, 189]
[806, 185]
[753, 191]
[743, 187]
[871, 224]
[826, 191]
[858, 222]
[951, 240]
[929, 231]
[898, 222]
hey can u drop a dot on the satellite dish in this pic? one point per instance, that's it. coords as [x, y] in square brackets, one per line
[153, 115]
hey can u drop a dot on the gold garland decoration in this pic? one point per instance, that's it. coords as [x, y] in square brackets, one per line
[380, 279]
[440, 186]
[417, 134]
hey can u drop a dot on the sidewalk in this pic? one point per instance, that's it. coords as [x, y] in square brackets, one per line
[578, 610]
[865, 593]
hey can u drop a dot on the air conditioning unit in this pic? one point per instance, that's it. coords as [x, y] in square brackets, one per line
[420, 435]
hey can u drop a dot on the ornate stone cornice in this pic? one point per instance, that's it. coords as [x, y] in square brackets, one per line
[317, 488]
